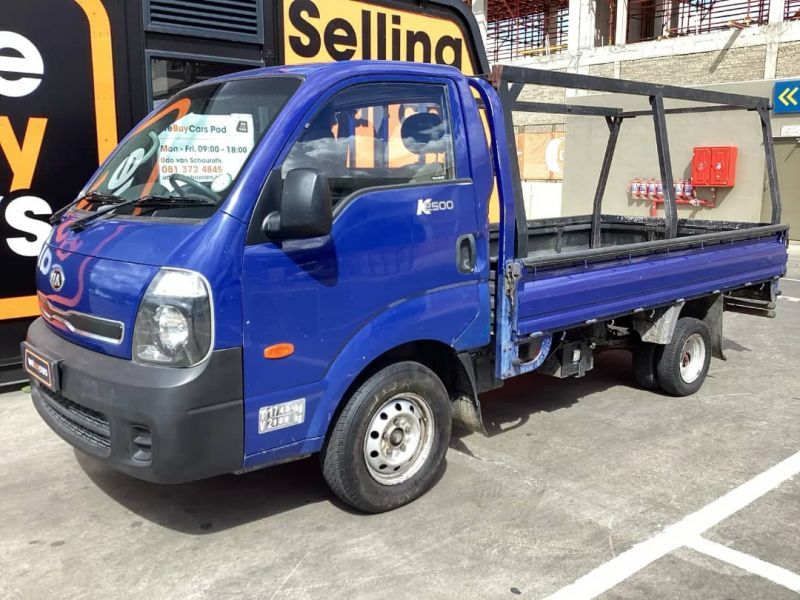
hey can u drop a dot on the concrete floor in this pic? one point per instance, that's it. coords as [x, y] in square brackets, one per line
[574, 473]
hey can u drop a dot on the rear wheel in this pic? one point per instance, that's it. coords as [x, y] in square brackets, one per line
[683, 365]
[390, 439]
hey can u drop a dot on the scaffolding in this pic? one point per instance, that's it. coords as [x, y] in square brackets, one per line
[521, 28]
[659, 19]
[525, 28]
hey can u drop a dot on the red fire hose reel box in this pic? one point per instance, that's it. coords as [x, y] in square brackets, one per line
[714, 166]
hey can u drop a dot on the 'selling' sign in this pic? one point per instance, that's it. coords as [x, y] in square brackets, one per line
[786, 97]
[57, 121]
[324, 31]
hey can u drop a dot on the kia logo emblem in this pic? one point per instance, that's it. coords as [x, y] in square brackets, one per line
[56, 278]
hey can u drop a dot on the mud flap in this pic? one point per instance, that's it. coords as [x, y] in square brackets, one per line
[467, 414]
[466, 406]
[713, 321]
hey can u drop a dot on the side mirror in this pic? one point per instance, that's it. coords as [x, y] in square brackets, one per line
[305, 208]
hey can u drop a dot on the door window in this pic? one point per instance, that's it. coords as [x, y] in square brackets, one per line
[377, 135]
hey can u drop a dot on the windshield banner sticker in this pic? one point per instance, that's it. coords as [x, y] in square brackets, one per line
[205, 147]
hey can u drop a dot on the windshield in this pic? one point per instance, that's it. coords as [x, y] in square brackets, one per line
[183, 160]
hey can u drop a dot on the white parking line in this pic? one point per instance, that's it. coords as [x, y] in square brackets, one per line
[623, 566]
[790, 298]
[790, 279]
[746, 562]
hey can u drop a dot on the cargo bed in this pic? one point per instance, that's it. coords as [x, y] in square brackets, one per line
[565, 286]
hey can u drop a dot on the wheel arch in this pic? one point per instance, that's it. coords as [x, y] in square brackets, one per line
[658, 326]
[453, 368]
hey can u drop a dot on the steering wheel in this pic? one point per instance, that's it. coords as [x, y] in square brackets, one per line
[194, 184]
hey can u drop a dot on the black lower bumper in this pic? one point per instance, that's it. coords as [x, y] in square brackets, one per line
[154, 423]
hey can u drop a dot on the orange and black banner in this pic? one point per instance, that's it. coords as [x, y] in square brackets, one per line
[438, 32]
[57, 123]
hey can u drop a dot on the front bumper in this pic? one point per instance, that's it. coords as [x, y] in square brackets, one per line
[154, 423]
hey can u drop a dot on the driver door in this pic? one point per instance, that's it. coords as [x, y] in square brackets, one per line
[403, 201]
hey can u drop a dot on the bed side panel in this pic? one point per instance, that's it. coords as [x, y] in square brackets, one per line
[559, 298]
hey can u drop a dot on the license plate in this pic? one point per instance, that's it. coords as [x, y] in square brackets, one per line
[40, 367]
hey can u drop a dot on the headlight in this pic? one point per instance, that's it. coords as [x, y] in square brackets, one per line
[173, 329]
[174, 326]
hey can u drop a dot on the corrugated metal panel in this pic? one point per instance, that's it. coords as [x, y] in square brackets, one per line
[239, 20]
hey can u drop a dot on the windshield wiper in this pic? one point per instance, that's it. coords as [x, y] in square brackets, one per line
[92, 198]
[156, 202]
[143, 202]
[83, 222]
[188, 199]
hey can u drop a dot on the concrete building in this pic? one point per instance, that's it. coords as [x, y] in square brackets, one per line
[742, 46]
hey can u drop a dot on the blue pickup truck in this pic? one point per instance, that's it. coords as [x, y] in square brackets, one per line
[299, 260]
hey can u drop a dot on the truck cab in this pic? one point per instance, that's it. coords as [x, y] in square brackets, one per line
[299, 260]
[251, 254]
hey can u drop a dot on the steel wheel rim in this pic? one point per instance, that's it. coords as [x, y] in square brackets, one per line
[693, 358]
[399, 439]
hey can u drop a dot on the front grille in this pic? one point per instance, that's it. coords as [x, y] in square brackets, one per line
[89, 425]
[90, 326]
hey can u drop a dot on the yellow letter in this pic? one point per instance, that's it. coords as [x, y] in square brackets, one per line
[22, 158]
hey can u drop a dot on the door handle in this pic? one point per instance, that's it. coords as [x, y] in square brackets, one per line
[466, 253]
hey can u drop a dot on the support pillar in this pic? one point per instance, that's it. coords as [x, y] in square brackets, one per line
[479, 9]
[777, 10]
[621, 34]
[581, 25]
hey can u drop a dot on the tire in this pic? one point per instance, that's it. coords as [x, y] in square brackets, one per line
[683, 365]
[645, 355]
[388, 444]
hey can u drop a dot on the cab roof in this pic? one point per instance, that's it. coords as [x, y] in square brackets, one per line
[345, 68]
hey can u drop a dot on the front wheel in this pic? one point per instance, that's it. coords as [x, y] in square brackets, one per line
[389, 441]
[683, 365]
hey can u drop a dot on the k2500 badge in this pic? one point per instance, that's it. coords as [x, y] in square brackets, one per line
[427, 206]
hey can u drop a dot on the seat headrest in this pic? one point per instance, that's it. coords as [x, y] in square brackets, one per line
[423, 133]
[318, 129]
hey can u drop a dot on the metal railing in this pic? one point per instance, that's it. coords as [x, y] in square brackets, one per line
[659, 19]
[791, 12]
[510, 81]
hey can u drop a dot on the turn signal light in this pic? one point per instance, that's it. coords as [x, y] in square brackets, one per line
[279, 350]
